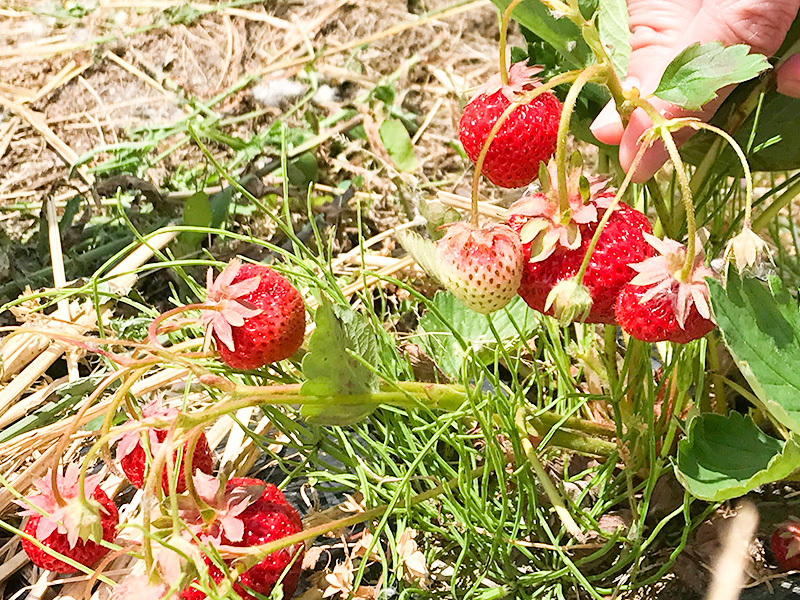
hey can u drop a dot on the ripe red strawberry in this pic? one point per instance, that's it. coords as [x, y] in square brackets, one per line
[481, 267]
[132, 459]
[785, 544]
[258, 316]
[554, 247]
[655, 306]
[526, 137]
[67, 529]
[249, 513]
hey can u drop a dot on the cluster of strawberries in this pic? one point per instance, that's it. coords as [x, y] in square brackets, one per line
[256, 317]
[244, 512]
[632, 278]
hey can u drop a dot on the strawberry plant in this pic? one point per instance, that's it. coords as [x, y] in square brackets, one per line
[570, 386]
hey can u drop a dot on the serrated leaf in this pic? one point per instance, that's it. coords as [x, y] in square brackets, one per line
[761, 328]
[421, 249]
[694, 76]
[437, 340]
[561, 33]
[333, 372]
[397, 142]
[612, 22]
[725, 457]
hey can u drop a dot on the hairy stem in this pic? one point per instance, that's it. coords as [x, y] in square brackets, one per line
[686, 196]
[504, 20]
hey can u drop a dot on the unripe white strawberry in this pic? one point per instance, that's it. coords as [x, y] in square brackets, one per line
[481, 267]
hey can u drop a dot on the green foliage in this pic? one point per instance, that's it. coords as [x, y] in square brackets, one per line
[761, 328]
[397, 142]
[560, 34]
[612, 22]
[694, 76]
[724, 457]
[449, 332]
[332, 369]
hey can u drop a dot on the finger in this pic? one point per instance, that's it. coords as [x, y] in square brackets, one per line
[657, 155]
[788, 76]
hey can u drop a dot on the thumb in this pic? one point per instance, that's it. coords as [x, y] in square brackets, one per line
[788, 76]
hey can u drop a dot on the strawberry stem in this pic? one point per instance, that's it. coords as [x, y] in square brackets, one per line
[686, 196]
[524, 99]
[563, 128]
[504, 21]
[544, 479]
[152, 331]
[748, 176]
[607, 215]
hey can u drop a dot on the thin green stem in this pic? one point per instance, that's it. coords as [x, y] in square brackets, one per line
[563, 129]
[504, 21]
[544, 479]
[748, 176]
[686, 196]
[607, 215]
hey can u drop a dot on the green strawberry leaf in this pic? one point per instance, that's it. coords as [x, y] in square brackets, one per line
[560, 33]
[333, 374]
[694, 76]
[761, 328]
[725, 457]
[438, 341]
[612, 21]
[196, 213]
[422, 250]
[397, 142]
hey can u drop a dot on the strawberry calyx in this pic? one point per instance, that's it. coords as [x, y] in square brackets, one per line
[225, 307]
[571, 301]
[747, 252]
[220, 519]
[548, 226]
[521, 78]
[153, 414]
[76, 518]
[662, 274]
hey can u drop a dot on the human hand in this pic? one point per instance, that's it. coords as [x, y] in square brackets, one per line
[660, 30]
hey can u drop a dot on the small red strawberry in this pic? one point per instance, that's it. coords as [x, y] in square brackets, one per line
[258, 316]
[72, 528]
[481, 267]
[657, 306]
[554, 244]
[132, 459]
[249, 513]
[785, 544]
[526, 138]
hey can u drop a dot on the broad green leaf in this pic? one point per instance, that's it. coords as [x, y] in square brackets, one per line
[421, 249]
[695, 75]
[612, 21]
[332, 371]
[303, 170]
[725, 457]
[773, 144]
[561, 33]
[220, 204]
[196, 213]
[397, 142]
[438, 342]
[761, 331]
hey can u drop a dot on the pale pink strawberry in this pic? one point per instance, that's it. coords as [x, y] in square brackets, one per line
[481, 267]
[657, 305]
